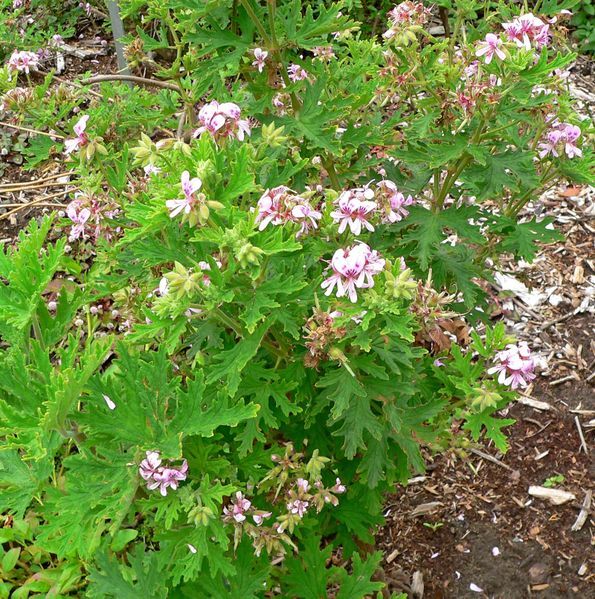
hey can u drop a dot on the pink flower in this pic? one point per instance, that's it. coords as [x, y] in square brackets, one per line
[515, 368]
[17, 4]
[166, 478]
[281, 205]
[281, 101]
[235, 511]
[296, 72]
[222, 121]
[393, 202]
[354, 209]
[562, 137]
[189, 188]
[23, 61]
[161, 477]
[81, 138]
[307, 218]
[527, 30]
[353, 268]
[471, 69]
[151, 169]
[298, 506]
[260, 516]
[302, 484]
[260, 56]
[79, 216]
[338, 487]
[88, 212]
[150, 465]
[163, 288]
[490, 47]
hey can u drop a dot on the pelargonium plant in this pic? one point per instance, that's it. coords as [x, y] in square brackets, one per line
[267, 301]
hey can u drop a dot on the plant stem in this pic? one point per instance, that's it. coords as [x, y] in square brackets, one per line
[329, 165]
[257, 22]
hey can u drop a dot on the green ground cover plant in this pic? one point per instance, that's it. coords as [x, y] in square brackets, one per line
[268, 297]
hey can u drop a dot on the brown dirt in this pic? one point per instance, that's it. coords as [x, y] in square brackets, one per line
[485, 505]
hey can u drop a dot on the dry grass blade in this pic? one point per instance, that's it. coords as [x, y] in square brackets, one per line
[36, 202]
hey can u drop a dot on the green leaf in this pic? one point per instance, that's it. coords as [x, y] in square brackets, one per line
[10, 559]
[427, 230]
[342, 387]
[357, 421]
[249, 581]
[263, 299]
[357, 584]
[510, 169]
[122, 538]
[110, 579]
[522, 239]
[475, 423]
[230, 363]
[307, 575]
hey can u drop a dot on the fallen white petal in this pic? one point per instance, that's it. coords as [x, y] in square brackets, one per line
[110, 404]
[475, 588]
[495, 551]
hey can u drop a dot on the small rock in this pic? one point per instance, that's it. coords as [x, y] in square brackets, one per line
[538, 573]
[554, 496]
[417, 585]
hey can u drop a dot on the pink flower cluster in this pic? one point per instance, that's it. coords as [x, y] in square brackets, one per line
[324, 53]
[81, 139]
[160, 476]
[527, 30]
[406, 14]
[515, 368]
[23, 61]
[281, 205]
[240, 507]
[392, 202]
[562, 137]
[356, 207]
[87, 213]
[296, 72]
[222, 121]
[190, 199]
[353, 268]
[303, 496]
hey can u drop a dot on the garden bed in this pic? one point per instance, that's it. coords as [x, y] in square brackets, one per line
[468, 526]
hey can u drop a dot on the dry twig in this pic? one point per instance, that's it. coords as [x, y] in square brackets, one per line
[582, 516]
[580, 434]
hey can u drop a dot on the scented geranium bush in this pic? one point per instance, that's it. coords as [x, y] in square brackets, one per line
[254, 319]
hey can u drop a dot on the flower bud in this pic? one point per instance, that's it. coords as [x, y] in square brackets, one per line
[273, 136]
[201, 515]
[248, 254]
[400, 286]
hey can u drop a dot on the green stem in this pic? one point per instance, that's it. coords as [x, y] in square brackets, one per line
[453, 174]
[329, 165]
[37, 330]
[257, 22]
